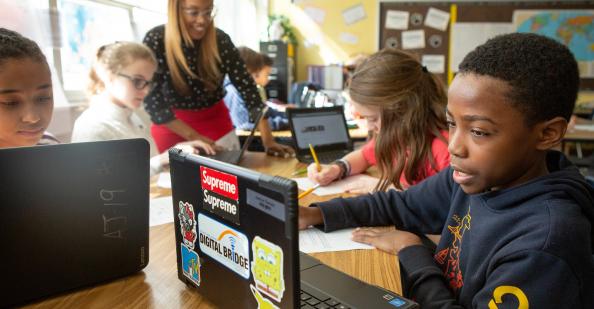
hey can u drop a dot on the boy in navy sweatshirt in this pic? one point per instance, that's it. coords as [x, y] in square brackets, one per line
[515, 218]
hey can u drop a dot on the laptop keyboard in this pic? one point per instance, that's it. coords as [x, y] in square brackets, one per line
[314, 299]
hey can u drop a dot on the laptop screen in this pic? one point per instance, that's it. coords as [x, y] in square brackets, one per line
[319, 127]
[236, 233]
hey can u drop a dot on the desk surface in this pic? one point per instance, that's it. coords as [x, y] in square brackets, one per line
[580, 135]
[358, 134]
[157, 286]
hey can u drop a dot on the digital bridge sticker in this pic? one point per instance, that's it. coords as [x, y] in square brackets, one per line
[220, 193]
[225, 245]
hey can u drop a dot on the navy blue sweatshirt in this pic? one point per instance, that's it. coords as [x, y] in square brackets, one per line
[531, 244]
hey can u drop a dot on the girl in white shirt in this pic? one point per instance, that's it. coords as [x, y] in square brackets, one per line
[119, 81]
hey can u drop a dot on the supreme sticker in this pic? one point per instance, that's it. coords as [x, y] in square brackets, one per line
[220, 194]
[222, 183]
[225, 245]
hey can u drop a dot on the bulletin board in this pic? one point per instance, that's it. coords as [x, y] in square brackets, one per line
[423, 16]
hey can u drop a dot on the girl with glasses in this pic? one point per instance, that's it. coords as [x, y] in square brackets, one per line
[193, 57]
[119, 81]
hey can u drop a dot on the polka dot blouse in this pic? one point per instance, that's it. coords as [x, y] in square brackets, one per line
[163, 97]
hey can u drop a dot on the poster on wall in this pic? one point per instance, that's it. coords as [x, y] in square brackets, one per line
[574, 28]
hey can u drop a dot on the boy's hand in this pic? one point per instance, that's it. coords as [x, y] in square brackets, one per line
[361, 186]
[327, 174]
[309, 216]
[391, 241]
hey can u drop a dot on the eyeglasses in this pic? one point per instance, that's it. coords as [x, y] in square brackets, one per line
[194, 13]
[139, 83]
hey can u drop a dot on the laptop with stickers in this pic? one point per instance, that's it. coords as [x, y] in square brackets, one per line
[234, 156]
[72, 215]
[237, 242]
[325, 128]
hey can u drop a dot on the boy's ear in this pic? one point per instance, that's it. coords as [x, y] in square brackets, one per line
[551, 133]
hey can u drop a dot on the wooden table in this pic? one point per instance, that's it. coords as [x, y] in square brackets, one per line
[358, 134]
[578, 137]
[157, 286]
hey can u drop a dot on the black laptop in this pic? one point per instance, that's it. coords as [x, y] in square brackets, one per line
[237, 242]
[71, 215]
[325, 128]
[234, 156]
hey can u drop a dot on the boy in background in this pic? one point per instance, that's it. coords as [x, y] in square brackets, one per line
[259, 66]
[516, 218]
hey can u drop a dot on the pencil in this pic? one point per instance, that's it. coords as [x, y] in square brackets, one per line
[299, 172]
[308, 191]
[315, 157]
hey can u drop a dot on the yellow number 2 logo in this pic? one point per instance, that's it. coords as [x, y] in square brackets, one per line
[507, 289]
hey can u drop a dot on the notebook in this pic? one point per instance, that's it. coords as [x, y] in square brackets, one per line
[237, 242]
[234, 156]
[72, 215]
[325, 128]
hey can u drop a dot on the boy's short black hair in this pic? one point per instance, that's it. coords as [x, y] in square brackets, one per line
[541, 72]
[14, 45]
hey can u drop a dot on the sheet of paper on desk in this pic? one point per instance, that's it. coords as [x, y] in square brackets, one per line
[161, 210]
[314, 240]
[584, 127]
[336, 187]
[164, 181]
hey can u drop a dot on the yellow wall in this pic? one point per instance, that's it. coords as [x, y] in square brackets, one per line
[320, 44]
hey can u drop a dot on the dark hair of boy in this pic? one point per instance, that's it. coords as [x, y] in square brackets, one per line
[254, 61]
[13, 45]
[540, 90]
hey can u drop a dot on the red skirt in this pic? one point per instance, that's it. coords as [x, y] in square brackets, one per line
[213, 122]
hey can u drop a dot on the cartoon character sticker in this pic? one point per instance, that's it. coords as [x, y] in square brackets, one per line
[267, 268]
[190, 264]
[263, 303]
[187, 222]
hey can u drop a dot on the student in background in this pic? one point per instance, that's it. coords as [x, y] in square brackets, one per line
[259, 66]
[404, 105]
[517, 219]
[187, 100]
[26, 102]
[119, 81]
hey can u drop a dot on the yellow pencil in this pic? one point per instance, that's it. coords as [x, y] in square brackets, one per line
[315, 157]
[308, 191]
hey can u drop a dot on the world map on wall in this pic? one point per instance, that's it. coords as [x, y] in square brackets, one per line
[574, 29]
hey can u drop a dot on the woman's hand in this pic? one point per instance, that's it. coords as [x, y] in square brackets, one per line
[199, 146]
[278, 150]
[327, 174]
[391, 241]
[309, 216]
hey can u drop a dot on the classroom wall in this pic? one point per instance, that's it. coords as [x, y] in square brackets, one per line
[330, 39]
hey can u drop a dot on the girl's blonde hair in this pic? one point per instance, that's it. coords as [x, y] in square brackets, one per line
[177, 36]
[412, 104]
[111, 58]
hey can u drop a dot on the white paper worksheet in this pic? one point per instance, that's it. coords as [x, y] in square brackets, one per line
[314, 240]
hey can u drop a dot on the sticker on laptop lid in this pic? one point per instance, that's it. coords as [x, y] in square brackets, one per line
[224, 245]
[187, 223]
[220, 193]
[267, 268]
[263, 303]
[265, 204]
[190, 264]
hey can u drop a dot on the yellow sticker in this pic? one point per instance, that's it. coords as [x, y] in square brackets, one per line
[267, 268]
[508, 289]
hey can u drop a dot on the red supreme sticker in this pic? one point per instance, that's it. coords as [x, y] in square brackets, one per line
[221, 183]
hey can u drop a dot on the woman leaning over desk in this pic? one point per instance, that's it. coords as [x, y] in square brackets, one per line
[193, 57]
